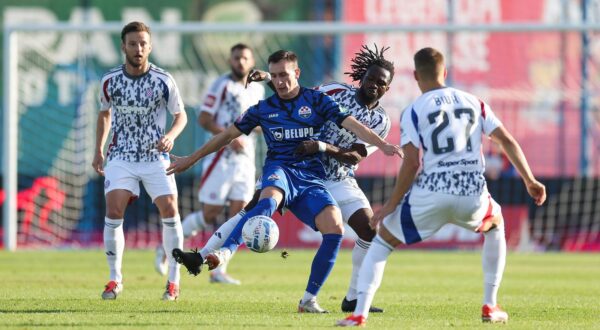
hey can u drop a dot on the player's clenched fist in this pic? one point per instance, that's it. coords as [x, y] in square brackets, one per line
[165, 144]
[537, 191]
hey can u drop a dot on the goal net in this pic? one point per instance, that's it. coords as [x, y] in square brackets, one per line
[532, 83]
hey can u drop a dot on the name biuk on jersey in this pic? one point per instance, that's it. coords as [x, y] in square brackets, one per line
[449, 125]
[226, 100]
[139, 111]
[376, 119]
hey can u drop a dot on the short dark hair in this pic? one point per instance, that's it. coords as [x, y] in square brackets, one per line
[239, 46]
[279, 55]
[134, 27]
[429, 62]
[366, 58]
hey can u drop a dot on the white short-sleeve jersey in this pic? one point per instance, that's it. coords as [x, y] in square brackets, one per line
[448, 124]
[376, 119]
[226, 100]
[139, 108]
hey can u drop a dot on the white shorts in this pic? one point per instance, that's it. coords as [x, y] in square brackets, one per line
[348, 195]
[120, 174]
[225, 180]
[422, 213]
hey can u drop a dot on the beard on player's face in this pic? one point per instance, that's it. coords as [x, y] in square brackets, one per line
[136, 61]
[369, 96]
[239, 73]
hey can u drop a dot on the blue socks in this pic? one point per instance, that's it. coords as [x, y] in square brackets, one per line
[266, 206]
[323, 262]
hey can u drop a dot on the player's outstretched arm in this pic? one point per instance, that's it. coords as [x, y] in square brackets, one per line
[165, 144]
[102, 130]
[406, 176]
[180, 164]
[370, 137]
[515, 154]
[351, 156]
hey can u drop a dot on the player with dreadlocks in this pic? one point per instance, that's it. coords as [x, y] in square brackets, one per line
[341, 152]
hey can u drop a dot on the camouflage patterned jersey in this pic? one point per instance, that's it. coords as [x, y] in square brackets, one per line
[139, 108]
[376, 119]
[448, 125]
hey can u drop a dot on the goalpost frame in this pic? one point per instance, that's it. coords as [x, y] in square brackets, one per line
[10, 72]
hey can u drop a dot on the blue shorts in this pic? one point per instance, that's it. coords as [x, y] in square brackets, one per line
[304, 193]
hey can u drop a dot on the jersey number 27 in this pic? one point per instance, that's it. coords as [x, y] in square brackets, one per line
[437, 149]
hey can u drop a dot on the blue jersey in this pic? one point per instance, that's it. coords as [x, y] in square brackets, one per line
[286, 123]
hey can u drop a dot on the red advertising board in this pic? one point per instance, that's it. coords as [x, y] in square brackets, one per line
[531, 80]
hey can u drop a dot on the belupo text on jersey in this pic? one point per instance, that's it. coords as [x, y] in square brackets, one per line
[279, 133]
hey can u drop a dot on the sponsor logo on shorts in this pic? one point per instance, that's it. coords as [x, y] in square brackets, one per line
[273, 177]
[304, 112]
[106, 183]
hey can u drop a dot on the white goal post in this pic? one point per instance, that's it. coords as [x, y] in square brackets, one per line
[11, 75]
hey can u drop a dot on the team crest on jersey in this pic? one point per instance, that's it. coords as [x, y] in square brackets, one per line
[304, 112]
[149, 93]
[273, 177]
[277, 133]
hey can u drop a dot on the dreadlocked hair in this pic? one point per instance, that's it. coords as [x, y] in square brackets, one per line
[367, 58]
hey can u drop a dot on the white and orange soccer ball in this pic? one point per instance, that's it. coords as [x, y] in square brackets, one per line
[260, 233]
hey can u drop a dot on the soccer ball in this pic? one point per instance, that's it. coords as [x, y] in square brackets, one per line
[260, 233]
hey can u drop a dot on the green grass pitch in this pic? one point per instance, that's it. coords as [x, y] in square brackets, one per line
[421, 289]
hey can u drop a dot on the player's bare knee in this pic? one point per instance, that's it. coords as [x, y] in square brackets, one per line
[168, 212]
[366, 234]
[359, 222]
[211, 213]
[329, 221]
[235, 207]
[167, 206]
[115, 213]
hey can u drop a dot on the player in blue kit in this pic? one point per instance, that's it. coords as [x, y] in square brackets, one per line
[293, 115]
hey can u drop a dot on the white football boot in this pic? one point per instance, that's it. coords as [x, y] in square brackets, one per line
[310, 306]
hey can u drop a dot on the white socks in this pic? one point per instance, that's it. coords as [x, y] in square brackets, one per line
[307, 296]
[218, 238]
[114, 245]
[370, 274]
[172, 236]
[493, 259]
[358, 254]
[192, 223]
